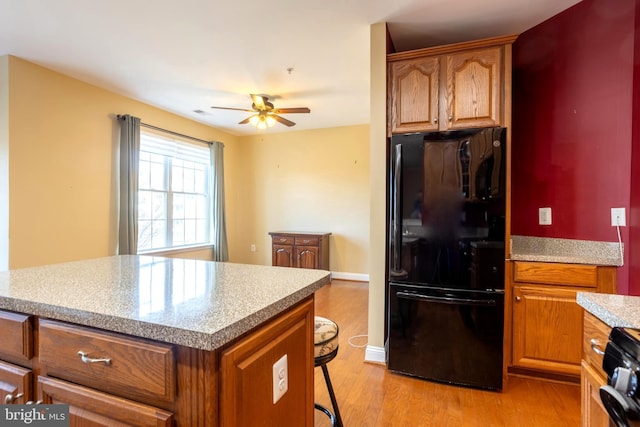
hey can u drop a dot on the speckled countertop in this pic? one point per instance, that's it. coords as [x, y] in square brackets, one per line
[614, 310]
[570, 251]
[193, 303]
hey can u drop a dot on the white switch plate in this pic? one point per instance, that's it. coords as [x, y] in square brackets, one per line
[544, 216]
[280, 378]
[618, 217]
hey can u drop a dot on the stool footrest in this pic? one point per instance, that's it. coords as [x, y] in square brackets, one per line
[332, 417]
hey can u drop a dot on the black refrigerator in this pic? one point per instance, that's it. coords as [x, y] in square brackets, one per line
[446, 234]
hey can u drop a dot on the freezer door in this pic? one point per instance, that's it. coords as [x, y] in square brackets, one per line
[447, 336]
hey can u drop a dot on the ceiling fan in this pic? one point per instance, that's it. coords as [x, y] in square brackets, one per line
[265, 114]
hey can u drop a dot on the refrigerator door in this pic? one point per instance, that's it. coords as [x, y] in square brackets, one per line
[447, 336]
[446, 192]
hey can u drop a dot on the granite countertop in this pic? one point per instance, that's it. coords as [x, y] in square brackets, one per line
[614, 310]
[569, 251]
[193, 303]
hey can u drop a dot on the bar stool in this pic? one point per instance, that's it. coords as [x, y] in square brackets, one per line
[326, 348]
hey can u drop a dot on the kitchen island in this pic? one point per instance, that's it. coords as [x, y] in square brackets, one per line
[142, 340]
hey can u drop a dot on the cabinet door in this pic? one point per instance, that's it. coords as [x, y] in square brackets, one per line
[89, 408]
[307, 257]
[15, 384]
[247, 371]
[547, 329]
[473, 95]
[593, 413]
[414, 95]
[282, 255]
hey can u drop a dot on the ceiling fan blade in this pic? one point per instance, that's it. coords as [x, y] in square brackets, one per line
[283, 120]
[245, 121]
[259, 102]
[291, 110]
[230, 108]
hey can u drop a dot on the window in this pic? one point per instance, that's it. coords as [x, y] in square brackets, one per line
[173, 194]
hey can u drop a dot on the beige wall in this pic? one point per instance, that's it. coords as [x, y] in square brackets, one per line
[378, 175]
[4, 163]
[306, 181]
[62, 140]
[62, 205]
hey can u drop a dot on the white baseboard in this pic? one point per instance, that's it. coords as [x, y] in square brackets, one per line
[357, 277]
[375, 354]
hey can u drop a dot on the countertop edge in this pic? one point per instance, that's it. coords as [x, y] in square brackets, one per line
[613, 317]
[154, 331]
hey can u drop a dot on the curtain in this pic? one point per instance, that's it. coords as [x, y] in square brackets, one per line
[129, 156]
[218, 221]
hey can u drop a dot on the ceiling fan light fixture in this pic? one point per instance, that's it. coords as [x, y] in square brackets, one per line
[270, 120]
[254, 120]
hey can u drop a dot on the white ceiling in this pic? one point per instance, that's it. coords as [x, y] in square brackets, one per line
[191, 54]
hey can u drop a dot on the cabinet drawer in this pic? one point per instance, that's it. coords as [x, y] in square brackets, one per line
[135, 369]
[16, 336]
[595, 337]
[93, 408]
[556, 274]
[307, 240]
[283, 240]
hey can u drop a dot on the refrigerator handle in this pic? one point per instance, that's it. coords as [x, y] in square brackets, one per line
[446, 300]
[396, 226]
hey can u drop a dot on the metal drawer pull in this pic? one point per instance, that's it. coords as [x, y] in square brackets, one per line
[305, 241]
[283, 240]
[10, 398]
[594, 346]
[86, 359]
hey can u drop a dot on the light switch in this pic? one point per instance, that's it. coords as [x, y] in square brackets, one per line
[544, 216]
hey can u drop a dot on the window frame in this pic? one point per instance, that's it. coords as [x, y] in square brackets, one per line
[169, 192]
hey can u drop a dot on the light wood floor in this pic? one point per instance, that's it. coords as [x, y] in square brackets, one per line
[369, 395]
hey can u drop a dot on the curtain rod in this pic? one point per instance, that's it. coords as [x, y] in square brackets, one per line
[174, 133]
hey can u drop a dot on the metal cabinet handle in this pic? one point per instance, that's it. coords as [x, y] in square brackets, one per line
[86, 359]
[31, 402]
[10, 398]
[450, 118]
[305, 241]
[435, 120]
[518, 299]
[283, 240]
[595, 347]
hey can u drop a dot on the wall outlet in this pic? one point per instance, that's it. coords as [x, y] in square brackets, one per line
[618, 217]
[280, 378]
[253, 248]
[544, 216]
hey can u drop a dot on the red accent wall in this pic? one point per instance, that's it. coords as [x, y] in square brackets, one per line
[573, 122]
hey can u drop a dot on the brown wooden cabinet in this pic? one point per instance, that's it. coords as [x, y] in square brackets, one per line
[300, 249]
[414, 95]
[464, 85]
[247, 373]
[16, 352]
[110, 378]
[546, 320]
[15, 384]
[594, 341]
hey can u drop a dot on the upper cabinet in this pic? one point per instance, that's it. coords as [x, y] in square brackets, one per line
[465, 85]
[414, 95]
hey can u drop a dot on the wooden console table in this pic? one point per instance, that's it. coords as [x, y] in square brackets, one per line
[300, 249]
